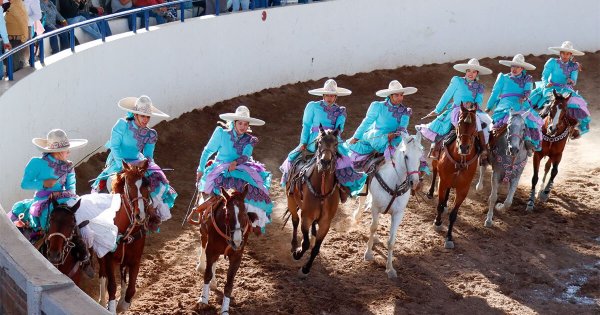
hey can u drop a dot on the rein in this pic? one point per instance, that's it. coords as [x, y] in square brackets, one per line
[226, 235]
[463, 163]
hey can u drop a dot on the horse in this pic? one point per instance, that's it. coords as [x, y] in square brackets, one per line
[402, 173]
[555, 133]
[456, 168]
[508, 158]
[315, 192]
[224, 229]
[60, 248]
[135, 217]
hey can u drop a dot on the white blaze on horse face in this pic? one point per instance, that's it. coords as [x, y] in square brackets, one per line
[554, 125]
[138, 185]
[237, 235]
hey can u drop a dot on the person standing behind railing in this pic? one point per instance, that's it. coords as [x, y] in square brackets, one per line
[16, 25]
[211, 6]
[236, 5]
[52, 19]
[4, 35]
[158, 14]
[93, 9]
[70, 10]
[34, 13]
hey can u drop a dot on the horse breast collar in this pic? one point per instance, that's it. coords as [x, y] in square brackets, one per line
[399, 191]
[560, 137]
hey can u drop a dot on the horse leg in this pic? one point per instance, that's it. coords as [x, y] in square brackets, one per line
[112, 284]
[492, 199]
[396, 219]
[545, 193]
[208, 276]
[125, 301]
[102, 278]
[313, 233]
[433, 180]
[234, 264]
[479, 185]
[201, 265]
[442, 200]
[534, 180]
[512, 188]
[373, 230]
[461, 194]
[324, 223]
[306, 223]
[361, 203]
[295, 222]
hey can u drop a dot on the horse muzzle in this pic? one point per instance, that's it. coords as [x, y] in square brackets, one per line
[54, 257]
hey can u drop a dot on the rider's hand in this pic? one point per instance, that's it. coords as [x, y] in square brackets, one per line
[549, 84]
[302, 147]
[571, 82]
[232, 166]
[198, 176]
[522, 99]
[353, 141]
[391, 136]
[48, 183]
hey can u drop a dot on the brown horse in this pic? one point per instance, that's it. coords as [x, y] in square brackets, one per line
[135, 217]
[61, 238]
[456, 168]
[555, 132]
[224, 229]
[315, 191]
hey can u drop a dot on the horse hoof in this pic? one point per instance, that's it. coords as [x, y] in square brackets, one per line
[479, 187]
[301, 274]
[438, 228]
[543, 196]
[112, 306]
[445, 211]
[488, 223]
[368, 256]
[429, 196]
[123, 306]
[529, 207]
[297, 255]
[200, 267]
[391, 274]
[449, 245]
[499, 206]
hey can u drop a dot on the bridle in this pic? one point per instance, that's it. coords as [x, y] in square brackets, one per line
[227, 235]
[322, 195]
[470, 118]
[68, 243]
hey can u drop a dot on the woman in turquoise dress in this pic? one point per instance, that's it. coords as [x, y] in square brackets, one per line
[132, 141]
[511, 93]
[233, 166]
[561, 74]
[330, 115]
[465, 90]
[382, 129]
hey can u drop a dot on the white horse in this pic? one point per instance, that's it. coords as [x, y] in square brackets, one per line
[389, 192]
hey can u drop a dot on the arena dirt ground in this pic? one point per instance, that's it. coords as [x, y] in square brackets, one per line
[545, 262]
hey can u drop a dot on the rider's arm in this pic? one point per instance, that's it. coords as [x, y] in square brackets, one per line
[247, 152]
[528, 86]
[404, 120]
[547, 71]
[447, 96]
[30, 176]
[70, 183]
[116, 139]
[307, 120]
[493, 100]
[211, 148]
[574, 75]
[372, 114]
[340, 122]
[479, 97]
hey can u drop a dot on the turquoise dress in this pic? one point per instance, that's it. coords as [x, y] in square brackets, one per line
[330, 117]
[448, 108]
[506, 96]
[230, 147]
[35, 211]
[557, 73]
[132, 144]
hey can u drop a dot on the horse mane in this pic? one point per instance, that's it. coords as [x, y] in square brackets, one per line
[118, 183]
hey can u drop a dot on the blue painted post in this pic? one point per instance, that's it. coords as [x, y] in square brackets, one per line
[217, 7]
[103, 31]
[72, 39]
[32, 55]
[182, 7]
[133, 20]
[147, 19]
[9, 68]
[41, 51]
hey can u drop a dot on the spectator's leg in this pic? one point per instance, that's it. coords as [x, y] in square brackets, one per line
[53, 39]
[64, 41]
[235, 5]
[245, 5]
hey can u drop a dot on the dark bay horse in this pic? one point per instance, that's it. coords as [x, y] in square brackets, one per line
[135, 217]
[315, 192]
[555, 133]
[61, 238]
[224, 229]
[456, 168]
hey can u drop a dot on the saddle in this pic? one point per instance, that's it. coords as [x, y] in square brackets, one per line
[204, 210]
[302, 165]
[448, 140]
[370, 166]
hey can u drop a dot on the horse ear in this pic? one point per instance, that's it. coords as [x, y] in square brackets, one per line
[224, 193]
[554, 93]
[569, 96]
[54, 202]
[336, 132]
[245, 190]
[76, 206]
[125, 165]
[144, 164]
[321, 130]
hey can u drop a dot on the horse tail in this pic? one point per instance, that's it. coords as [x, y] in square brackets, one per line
[286, 216]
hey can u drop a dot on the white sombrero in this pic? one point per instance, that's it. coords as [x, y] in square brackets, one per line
[518, 61]
[568, 47]
[395, 87]
[330, 88]
[242, 113]
[473, 64]
[57, 141]
[140, 105]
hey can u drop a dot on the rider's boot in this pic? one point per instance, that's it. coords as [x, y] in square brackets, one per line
[344, 193]
[82, 254]
[483, 156]
[436, 148]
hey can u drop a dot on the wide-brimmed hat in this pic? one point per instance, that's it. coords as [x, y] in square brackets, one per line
[330, 88]
[518, 61]
[568, 47]
[140, 105]
[473, 64]
[57, 141]
[242, 113]
[395, 87]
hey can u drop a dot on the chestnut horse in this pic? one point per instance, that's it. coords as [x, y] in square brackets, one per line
[135, 217]
[315, 191]
[59, 245]
[224, 229]
[456, 168]
[555, 132]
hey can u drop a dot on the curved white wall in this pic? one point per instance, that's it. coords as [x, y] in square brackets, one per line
[196, 63]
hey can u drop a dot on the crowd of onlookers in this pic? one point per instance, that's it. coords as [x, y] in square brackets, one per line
[21, 20]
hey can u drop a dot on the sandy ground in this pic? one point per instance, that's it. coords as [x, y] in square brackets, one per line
[545, 262]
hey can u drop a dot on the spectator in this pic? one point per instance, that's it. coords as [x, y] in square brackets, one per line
[236, 5]
[69, 9]
[161, 14]
[211, 6]
[17, 27]
[4, 36]
[53, 22]
[93, 9]
[34, 13]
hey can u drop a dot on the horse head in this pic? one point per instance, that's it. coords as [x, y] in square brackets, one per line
[515, 132]
[466, 129]
[327, 143]
[237, 219]
[133, 186]
[557, 112]
[61, 230]
[411, 151]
